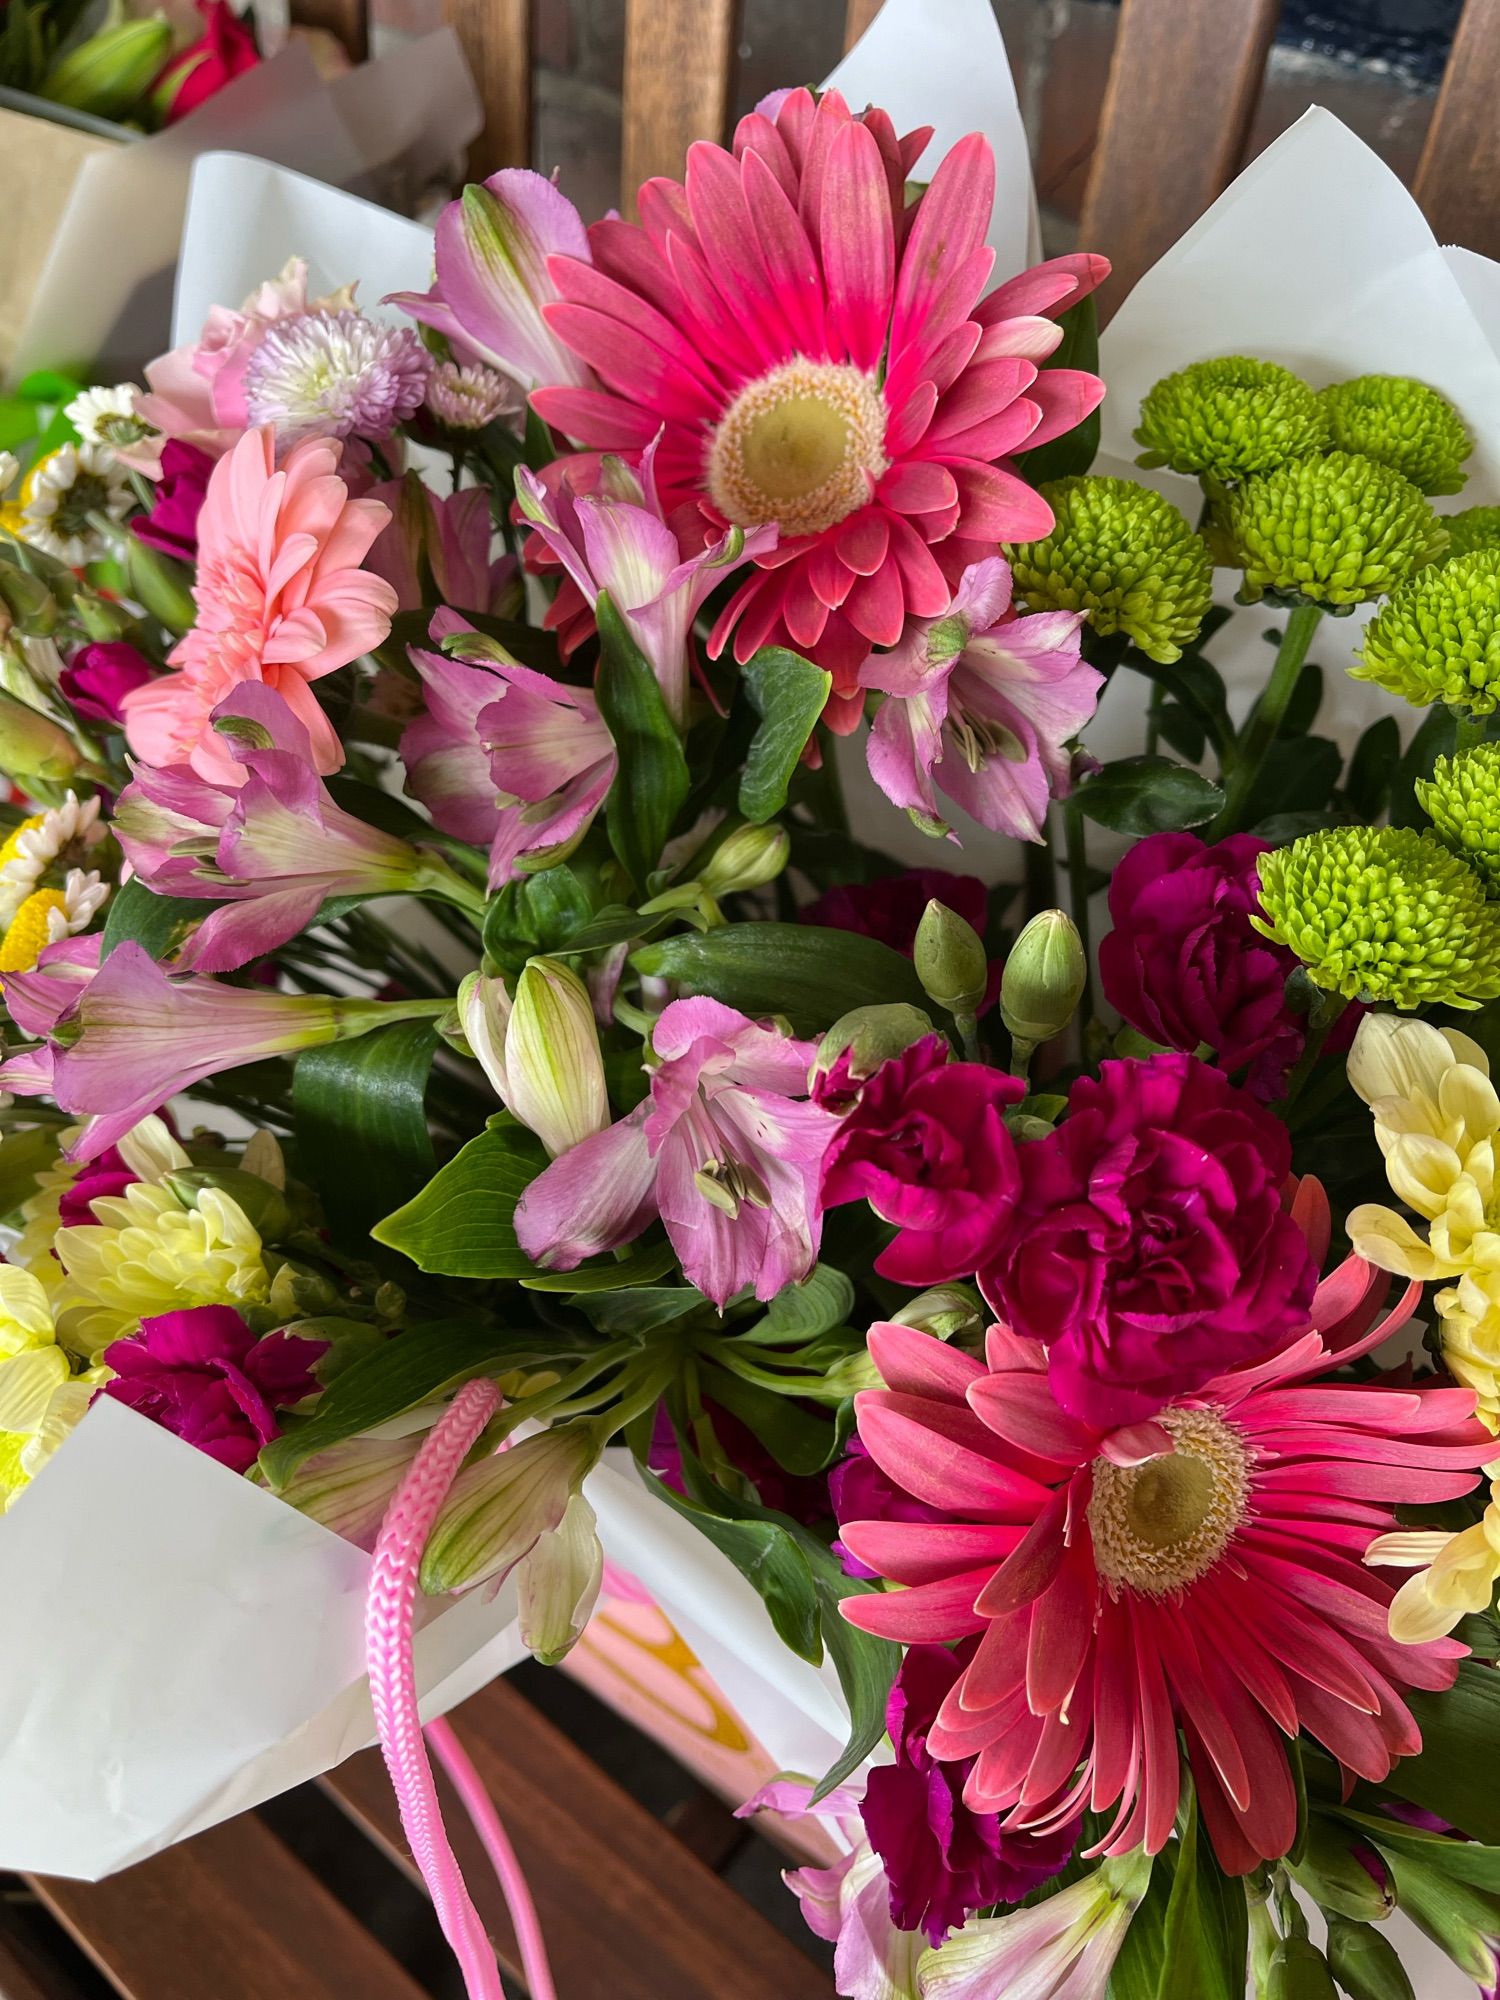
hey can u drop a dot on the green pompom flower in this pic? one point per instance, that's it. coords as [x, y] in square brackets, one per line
[1122, 555]
[1439, 637]
[1407, 426]
[1333, 531]
[1383, 913]
[1474, 528]
[1462, 799]
[1224, 420]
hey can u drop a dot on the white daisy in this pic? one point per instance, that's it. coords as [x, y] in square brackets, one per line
[85, 893]
[36, 844]
[63, 490]
[107, 416]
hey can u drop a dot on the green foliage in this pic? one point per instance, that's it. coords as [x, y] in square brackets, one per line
[810, 975]
[652, 781]
[462, 1222]
[157, 923]
[1141, 795]
[362, 1133]
[1076, 450]
[787, 693]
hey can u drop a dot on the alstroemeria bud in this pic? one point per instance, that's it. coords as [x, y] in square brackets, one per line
[110, 72]
[1365, 1964]
[1043, 978]
[950, 960]
[32, 745]
[558, 1584]
[499, 1508]
[349, 1486]
[869, 1036]
[553, 1069]
[947, 1312]
[1337, 1878]
[748, 858]
[32, 607]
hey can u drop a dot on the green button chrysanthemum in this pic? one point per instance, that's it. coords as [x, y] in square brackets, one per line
[1227, 419]
[1474, 528]
[1383, 913]
[1333, 531]
[1439, 637]
[1407, 426]
[1462, 799]
[1125, 557]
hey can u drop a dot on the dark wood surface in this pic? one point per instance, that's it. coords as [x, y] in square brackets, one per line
[1184, 82]
[858, 15]
[230, 1915]
[678, 66]
[629, 1912]
[22, 1976]
[496, 39]
[1458, 175]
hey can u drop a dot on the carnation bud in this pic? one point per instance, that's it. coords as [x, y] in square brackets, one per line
[870, 1036]
[162, 585]
[748, 858]
[33, 746]
[1043, 978]
[109, 73]
[298, 1292]
[947, 1312]
[104, 622]
[950, 960]
[31, 605]
[1334, 1875]
[1299, 1971]
[1366, 1964]
[558, 1584]
[498, 1509]
[554, 1072]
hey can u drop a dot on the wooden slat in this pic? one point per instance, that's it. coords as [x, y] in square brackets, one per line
[230, 1915]
[348, 21]
[628, 1912]
[21, 1978]
[1183, 86]
[678, 60]
[857, 17]
[1457, 174]
[496, 39]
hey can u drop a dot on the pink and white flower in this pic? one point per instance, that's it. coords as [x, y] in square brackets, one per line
[451, 534]
[726, 1149]
[281, 599]
[980, 706]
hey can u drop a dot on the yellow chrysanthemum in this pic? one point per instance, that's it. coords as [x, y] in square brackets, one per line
[40, 1400]
[1456, 1574]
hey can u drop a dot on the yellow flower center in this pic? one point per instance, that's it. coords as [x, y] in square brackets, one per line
[801, 446]
[12, 845]
[1159, 1526]
[29, 933]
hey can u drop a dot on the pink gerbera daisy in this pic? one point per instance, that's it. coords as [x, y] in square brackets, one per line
[1201, 1571]
[817, 353]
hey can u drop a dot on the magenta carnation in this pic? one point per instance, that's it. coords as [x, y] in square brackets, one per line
[891, 907]
[927, 1146]
[1150, 1248]
[1182, 964]
[202, 1374]
[942, 1861]
[172, 524]
[100, 675]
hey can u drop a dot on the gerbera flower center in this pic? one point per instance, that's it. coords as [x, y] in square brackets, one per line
[1159, 1526]
[802, 446]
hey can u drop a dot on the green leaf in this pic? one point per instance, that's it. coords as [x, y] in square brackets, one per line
[652, 780]
[461, 1224]
[157, 923]
[1137, 1970]
[1076, 449]
[415, 1366]
[614, 924]
[537, 913]
[1372, 768]
[798, 1313]
[1148, 795]
[1307, 699]
[361, 1122]
[787, 693]
[770, 1561]
[1205, 1939]
[1434, 739]
[23, 1157]
[643, 1265]
[1197, 689]
[1300, 774]
[800, 1443]
[640, 1308]
[810, 975]
[1457, 1773]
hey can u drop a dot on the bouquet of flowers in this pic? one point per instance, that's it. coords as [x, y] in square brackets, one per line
[457, 1030]
[128, 69]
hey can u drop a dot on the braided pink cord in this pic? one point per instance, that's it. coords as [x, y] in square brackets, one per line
[389, 1608]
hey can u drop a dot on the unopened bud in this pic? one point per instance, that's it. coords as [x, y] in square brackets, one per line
[1299, 1971]
[1043, 978]
[162, 585]
[1332, 1872]
[748, 858]
[558, 1584]
[298, 1292]
[349, 1486]
[947, 1312]
[32, 745]
[950, 960]
[103, 621]
[31, 605]
[110, 72]
[554, 1071]
[1365, 1963]
[498, 1509]
[870, 1036]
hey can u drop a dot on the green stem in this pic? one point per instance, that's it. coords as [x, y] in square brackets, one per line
[1325, 1011]
[1469, 732]
[1264, 726]
[562, 1395]
[441, 880]
[1041, 875]
[1078, 896]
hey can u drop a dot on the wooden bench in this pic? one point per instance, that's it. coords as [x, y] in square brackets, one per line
[631, 1910]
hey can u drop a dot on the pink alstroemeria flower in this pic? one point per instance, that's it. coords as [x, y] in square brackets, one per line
[980, 706]
[451, 534]
[281, 598]
[725, 1149]
[490, 262]
[36, 1000]
[612, 534]
[505, 757]
[270, 851]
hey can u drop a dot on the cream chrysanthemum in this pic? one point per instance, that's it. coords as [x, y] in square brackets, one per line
[1456, 1573]
[40, 1398]
[63, 491]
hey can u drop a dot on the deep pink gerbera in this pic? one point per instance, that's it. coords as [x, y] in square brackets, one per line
[1200, 1571]
[818, 354]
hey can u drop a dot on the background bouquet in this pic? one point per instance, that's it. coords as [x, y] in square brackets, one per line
[444, 980]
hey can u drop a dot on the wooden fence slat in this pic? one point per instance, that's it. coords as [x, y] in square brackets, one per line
[1183, 87]
[678, 65]
[348, 21]
[228, 1915]
[629, 1913]
[495, 36]
[1457, 173]
[857, 17]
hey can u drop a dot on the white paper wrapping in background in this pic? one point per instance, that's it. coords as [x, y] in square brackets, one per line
[181, 1645]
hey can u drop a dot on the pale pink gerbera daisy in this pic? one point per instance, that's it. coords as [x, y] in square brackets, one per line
[1201, 1571]
[281, 599]
[817, 354]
